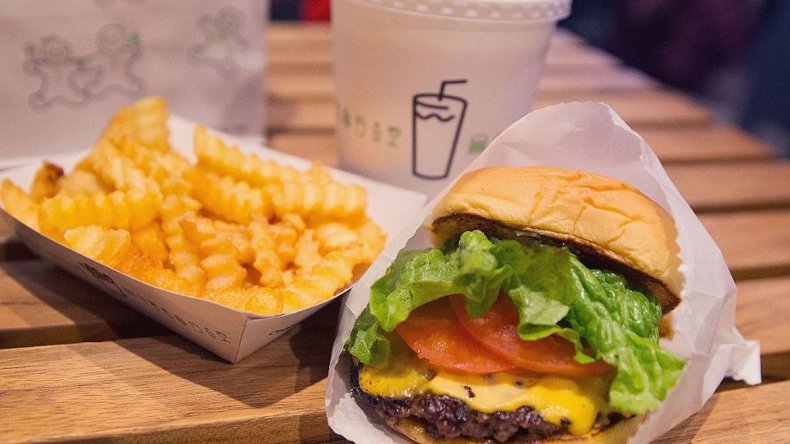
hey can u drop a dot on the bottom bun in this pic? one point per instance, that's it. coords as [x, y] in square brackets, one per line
[618, 432]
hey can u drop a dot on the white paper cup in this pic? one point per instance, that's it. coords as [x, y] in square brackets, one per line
[423, 86]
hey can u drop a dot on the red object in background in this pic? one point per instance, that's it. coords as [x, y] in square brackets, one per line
[317, 10]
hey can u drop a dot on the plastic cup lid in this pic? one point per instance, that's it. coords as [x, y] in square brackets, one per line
[492, 10]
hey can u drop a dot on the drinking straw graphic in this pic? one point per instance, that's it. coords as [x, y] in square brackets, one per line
[436, 125]
[448, 82]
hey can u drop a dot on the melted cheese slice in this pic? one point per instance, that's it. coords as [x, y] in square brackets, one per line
[555, 398]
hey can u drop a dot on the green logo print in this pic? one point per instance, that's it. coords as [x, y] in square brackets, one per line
[478, 143]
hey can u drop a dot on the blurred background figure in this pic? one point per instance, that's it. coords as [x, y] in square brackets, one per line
[767, 107]
[732, 55]
[300, 10]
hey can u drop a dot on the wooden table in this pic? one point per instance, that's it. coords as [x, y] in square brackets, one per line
[75, 365]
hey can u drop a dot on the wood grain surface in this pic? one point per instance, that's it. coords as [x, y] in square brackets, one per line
[60, 309]
[672, 145]
[758, 414]
[166, 389]
[755, 244]
[657, 108]
[738, 186]
[319, 85]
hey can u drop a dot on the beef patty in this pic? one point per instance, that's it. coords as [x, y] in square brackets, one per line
[448, 417]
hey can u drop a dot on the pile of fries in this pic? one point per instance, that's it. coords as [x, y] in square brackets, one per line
[245, 232]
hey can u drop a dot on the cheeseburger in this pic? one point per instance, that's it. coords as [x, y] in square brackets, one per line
[536, 318]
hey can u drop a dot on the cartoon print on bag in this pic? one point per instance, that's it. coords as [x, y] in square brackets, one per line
[71, 80]
[61, 74]
[222, 41]
[116, 51]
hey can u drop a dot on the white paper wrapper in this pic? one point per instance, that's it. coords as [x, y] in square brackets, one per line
[592, 137]
[229, 333]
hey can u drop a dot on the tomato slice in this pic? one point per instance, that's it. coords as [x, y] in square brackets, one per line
[497, 332]
[435, 334]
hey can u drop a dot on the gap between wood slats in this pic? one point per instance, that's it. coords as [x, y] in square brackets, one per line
[166, 388]
[748, 415]
[733, 187]
[755, 244]
[40, 304]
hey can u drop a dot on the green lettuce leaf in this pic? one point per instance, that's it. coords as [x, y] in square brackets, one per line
[553, 293]
[367, 342]
[601, 315]
[419, 277]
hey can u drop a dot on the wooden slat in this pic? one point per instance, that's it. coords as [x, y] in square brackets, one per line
[762, 303]
[319, 147]
[654, 108]
[607, 79]
[166, 389]
[762, 306]
[6, 231]
[717, 144]
[284, 34]
[320, 86]
[748, 415]
[41, 304]
[739, 186]
[564, 57]
[648, 109]
[707, 188]
[755, 244]
[673, 146]
[315, 53]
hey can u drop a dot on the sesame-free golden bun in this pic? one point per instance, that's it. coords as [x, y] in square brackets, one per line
[609, 223]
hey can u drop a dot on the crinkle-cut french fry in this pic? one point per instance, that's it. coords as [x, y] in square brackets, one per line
[321, 282]
[372, 238]
[317, 199]
[219, 257]
[214, 155]
[116, 249]
[309, 192]
[146, 120]
[336, 236]
[183, 255]
[125, 210]
[250, 233]
[19, 204]
[151, 239]
[238, 235]
[227, 198]
[81, 182]
[159, 165]
[118, 171]
[267, 262]
[109, 247]
[260, 300]
[307, 255]
[45, 182]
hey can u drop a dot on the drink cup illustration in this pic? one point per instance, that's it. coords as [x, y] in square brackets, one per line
[437, 121]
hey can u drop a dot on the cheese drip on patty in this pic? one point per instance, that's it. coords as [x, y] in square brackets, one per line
[577, 400]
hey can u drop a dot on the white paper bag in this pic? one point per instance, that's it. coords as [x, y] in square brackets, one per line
[67, 64]
[591, 137]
